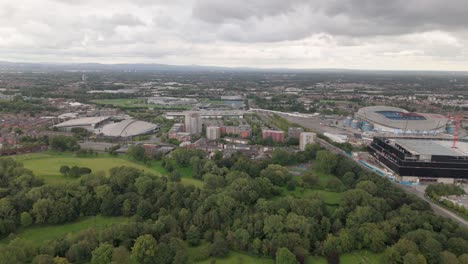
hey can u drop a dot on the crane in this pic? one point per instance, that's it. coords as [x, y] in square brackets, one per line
[455, 132]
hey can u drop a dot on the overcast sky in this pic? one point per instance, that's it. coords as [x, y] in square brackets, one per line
[364, 34]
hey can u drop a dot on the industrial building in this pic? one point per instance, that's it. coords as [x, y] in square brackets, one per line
[213, 132]
[397, 121]
[128, 128]
[306, 138]
[193, 123]
[275, 135]
[423, 160]
[88, 123]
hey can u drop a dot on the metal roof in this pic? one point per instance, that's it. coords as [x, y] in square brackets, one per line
[433, 147]
[128, 128]
[85, 121]
[430, 121]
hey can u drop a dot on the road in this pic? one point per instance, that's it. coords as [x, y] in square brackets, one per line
[437, 209]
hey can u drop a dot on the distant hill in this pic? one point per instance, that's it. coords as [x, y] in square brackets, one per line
[141, 67]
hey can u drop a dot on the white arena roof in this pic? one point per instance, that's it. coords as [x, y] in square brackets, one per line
[85, 121]
[128, 128]
[397, 118]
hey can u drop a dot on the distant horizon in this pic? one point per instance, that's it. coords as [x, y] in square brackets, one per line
[220, 67]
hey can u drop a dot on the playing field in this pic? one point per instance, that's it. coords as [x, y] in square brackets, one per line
[39, 234]
[46, 165]
[329, 197]
[136, 103]
[237, 258]
[363, 256]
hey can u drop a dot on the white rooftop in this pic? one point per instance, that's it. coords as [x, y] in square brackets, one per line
[85, 121]
[433, 147]
[128, 128]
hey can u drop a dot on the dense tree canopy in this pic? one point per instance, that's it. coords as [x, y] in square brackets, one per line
[244, 205]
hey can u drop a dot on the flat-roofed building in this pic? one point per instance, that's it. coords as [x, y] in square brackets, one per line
[213, 132]
[193, 123]
[275, 135]
[295, 132]
[306, 138]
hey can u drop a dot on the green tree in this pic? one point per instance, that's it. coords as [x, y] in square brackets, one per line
[193, 236]
[219, 247]
[43, 259]
[102, 254]
[136, 152]
[25, 219]
[64, 170]
[144, 250]
[447, 257]
[284, 256]
[326, 162]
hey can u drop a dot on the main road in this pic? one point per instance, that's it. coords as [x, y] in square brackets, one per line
[437, 209]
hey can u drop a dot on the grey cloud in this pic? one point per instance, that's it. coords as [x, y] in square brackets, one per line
[337, 17]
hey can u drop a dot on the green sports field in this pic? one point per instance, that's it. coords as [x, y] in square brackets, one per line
[46, 165]
[39, 234]
[135, 103]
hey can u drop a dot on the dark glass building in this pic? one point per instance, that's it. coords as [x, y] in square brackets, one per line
[422, 159]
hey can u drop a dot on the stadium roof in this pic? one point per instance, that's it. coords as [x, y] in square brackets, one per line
[128, 128]
[398, 118]
[433, 147]
[85, 121]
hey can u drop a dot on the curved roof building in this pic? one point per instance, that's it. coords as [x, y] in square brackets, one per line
[88, 123]
[397, 120]
[128, 128]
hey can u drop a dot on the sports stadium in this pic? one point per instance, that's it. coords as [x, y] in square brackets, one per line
[395, 120]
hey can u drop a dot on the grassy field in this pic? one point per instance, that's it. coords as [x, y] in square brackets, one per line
[135, 103]
[46, 165]
[237, 258]
[329, 197]
[233, 257]
[39, 234]
[363, 257]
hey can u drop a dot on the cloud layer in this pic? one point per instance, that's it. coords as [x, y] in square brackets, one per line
[370, 34]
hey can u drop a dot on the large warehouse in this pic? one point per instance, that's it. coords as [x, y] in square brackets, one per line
[423, 160]
[395, 120]
[129, 128]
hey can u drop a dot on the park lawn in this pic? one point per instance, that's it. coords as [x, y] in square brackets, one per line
[233, 257]
[363, 256]
[329, 197]
[237, 258]
[39, 234]
[46, 165]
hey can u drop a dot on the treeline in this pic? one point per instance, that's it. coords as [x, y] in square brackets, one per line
[242, 206]
[438, 193]
[18, 105]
